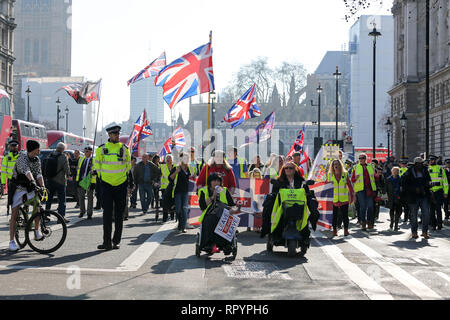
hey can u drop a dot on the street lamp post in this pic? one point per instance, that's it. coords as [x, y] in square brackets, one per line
[58, 110]
[67, 118]
[388, 124]
[403, 120]
[337, 74]
[28, 98]
[84, 131]
[319, 91]
[375, 33]
[213, 114]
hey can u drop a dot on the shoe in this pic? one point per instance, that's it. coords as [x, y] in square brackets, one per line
[13, 246]
[396, 228]
[116, 246]
[81, 215]
[183, 231]
[97, 207]
[439, 227]
[104, 247]
[346, 233]
[89, 218]
[66, 220]
[38, 236]
[433, 228]
[335, 233]
[363, 226]
[125, 219]
[415, 236]
[215, 249]
[425, 235]
[370, 226]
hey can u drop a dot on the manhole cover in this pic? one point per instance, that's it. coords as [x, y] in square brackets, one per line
[254, 270]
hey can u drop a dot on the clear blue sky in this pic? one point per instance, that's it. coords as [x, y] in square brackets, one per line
[113, 40]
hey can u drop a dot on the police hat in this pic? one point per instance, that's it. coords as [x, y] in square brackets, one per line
[114, 129]
[404, 161]
[88, 148]
[13, 143]
[447, 161]
[432, 157]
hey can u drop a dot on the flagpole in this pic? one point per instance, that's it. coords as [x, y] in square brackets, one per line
[98, 113]
[209, 116]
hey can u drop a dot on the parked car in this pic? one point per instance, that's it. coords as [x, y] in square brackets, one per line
[71, 190]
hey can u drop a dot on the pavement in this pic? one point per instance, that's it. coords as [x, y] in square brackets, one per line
[156, 262]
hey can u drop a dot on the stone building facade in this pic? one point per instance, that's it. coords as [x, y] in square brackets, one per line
[7, 26]
[408, 92]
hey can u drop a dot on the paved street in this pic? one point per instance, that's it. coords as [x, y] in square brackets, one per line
[157, 262]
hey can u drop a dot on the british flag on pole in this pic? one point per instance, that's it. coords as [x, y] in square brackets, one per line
[190, 75]
[140, 131]
[245, 108]
[298, 144]
[151, 70]
[178, 138]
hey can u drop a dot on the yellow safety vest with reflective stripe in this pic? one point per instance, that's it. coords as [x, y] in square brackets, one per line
[110, 166]
[222, 198]
[287, 198]
[437, 174]
[165, 173]
[80, 163]
[359, 185]
[193, 168]
[273, 174]
[403, 171]
[175, 183]
[340, 190]
[8, 163]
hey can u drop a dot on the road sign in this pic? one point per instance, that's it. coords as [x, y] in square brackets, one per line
[330, 152]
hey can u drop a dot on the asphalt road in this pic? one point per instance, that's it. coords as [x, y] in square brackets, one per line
[158, 263]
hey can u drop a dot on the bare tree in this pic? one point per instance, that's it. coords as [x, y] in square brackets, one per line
[356, 6]
[292, 78]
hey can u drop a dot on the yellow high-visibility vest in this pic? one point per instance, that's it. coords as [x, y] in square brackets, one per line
[8, 163]
[112, 163]
[403, 171]
[340, 190]
[80, 163]
[165, 173]
[437, 174]
[359, 185]
[222, 198]
[290, 197]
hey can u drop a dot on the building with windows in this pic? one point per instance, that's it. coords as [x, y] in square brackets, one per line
[145, 95]
[7, 27]
[408, 90]
[361, 78]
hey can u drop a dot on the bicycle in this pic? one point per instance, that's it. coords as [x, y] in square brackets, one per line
[51, 224]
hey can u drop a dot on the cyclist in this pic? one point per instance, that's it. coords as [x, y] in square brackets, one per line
[27, 174]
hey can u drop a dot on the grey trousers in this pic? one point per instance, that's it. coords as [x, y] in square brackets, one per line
[81, 197]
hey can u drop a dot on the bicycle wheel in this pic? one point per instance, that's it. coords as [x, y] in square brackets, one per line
[21, 225]
[52, 227]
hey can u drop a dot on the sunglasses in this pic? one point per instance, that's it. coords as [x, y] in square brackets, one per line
[362, 158]
[290, 168]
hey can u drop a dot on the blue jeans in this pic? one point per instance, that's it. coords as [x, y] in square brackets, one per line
[146, 195]
[414, 210]
[181, 205]
[60, 190]
[365, 207]
[133, 198]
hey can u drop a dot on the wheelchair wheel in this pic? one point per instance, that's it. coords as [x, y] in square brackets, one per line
[235, 247]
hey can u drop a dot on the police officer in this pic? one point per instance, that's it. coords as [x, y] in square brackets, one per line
[403, 201]
[439, 191]
[446, 200]
[8, 164]
[112, 163]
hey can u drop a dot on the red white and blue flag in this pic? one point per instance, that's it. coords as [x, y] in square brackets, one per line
[178, 138]
[140, 131]
[304, 161]
[262, 132]
[245, 108]
[190, 75]
[151, 70]
[298, 144]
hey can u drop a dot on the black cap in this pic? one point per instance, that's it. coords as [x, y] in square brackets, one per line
[13, 143]
[89, 148]
[32, 145]
[432, 157]
[114, 129]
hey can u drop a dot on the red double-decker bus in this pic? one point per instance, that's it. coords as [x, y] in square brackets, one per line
[72, 141]
[23, 131]
[5, 122]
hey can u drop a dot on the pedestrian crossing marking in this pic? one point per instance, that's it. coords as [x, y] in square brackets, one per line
[254, 270]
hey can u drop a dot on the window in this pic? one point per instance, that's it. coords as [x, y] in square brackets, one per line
[27, 57]
[3, 76]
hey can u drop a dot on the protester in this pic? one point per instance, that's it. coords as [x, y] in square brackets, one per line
[133, 196]
[393, 188]
[219, 165]
[180, 177]
[446, 200]
[195, 166]
[146, 174]
[416, 183]
[363, 179]
[272, 167]
[157, 184]
[439, 191]
[403, 197]
[131, 186]
[73, 165]
[296, 157]
[57, 171]
[84, 168]
[239, 165]
[256, 164]
[339, 177]
[166, 168]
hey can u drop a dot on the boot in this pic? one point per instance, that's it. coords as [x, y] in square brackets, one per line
[335, 233]
[346, 232]
[363, 226]
[425, 235]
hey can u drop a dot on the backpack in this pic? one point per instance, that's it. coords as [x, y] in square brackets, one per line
[50, 166]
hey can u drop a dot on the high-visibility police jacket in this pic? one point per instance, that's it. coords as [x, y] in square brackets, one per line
[403, 171]
[80, 164]
[437, 174]
[8, 163]
[165, 173]
[340, 189]
[222, 198]
[359, 184]
[289, 197]
[241, 162]
[112, 163]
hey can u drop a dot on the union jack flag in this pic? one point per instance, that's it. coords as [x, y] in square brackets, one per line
[178, 138]
[245, 108]
[140, 131]
[151, 70]
[187, 76]
[298, 144]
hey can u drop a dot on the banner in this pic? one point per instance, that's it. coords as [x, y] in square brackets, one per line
[226, 228]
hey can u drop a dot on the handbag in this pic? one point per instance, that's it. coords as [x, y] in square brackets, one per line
[86, 182]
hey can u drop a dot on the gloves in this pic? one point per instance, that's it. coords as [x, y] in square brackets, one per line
[32, 186]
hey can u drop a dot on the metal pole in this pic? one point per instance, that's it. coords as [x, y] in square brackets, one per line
[427, 80]
[319, 115]
[389, 153]
[67, 119]
[28, 98]
[403, 142]
[374, 93]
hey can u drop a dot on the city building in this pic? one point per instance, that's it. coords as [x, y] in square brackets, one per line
[145, 95]
[7, 26]
[43, 107]
[361, 78]
[43, 38]
[408, 91]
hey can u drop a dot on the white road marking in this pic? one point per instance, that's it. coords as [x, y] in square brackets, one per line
[370, 287]
[417, 287]
[443, 275]
[254, 270]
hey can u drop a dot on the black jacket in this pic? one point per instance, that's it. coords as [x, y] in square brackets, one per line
[414, 187]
